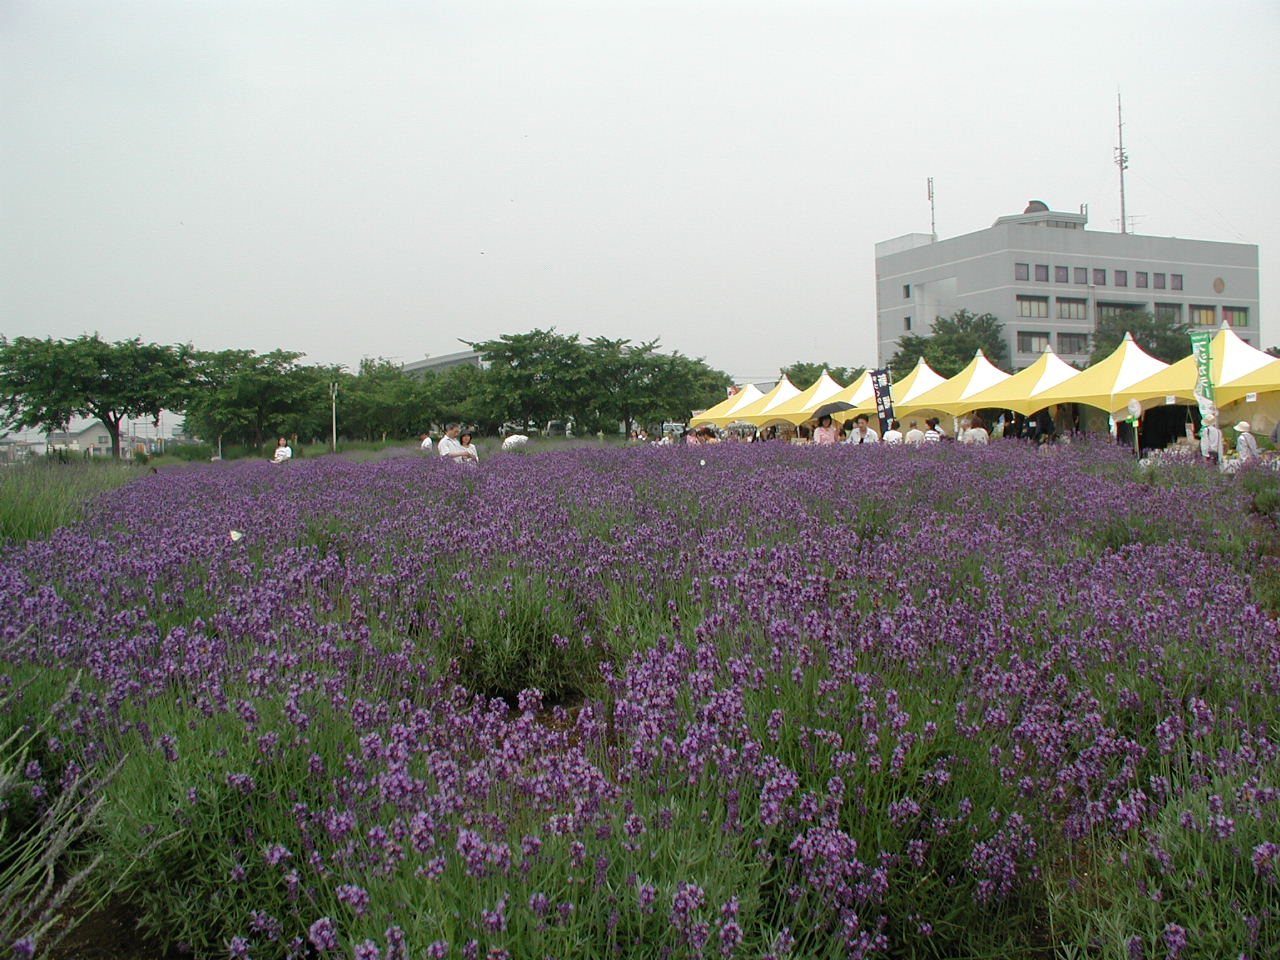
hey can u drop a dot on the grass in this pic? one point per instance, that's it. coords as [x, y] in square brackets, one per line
[39, 497]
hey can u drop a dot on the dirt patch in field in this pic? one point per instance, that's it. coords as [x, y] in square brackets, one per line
[109, 932]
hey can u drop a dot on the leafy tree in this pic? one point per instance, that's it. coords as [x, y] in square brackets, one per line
[44, 383]
[952, 343]
[627, 379]
[631, 383]
[462, 394]
[680, 385]
[805, 374]
[534, 377]
[379, 401]
[1164, 338]
[246, 397]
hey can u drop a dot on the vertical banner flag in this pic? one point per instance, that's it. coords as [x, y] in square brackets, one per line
[1200, 340]
[884, 399]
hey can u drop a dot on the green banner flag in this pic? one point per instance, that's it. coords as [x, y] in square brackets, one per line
[1200, 349]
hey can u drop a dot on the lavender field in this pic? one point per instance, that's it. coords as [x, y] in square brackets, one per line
[736, 701]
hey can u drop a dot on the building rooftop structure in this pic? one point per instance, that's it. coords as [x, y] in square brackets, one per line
[443, 362]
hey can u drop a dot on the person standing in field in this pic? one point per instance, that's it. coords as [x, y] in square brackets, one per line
[975, 433]
[1246, 443]
[449, 445]
[425, 446]
[914, 434]
[934, 433]
[894, 433]
[1211, 440]
[824, 434]
[862, 432]
[472, 455]
[283, 452]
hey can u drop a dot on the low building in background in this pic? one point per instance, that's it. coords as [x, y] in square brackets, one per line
[1049, 280]
[443, 362]
[91, 439]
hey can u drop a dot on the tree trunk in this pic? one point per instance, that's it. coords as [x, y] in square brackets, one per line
[113, 431]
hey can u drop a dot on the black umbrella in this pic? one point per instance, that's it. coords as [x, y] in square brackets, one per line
[831, 409]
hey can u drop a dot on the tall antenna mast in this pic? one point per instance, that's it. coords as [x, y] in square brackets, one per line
[933, 214]
[1122, 161]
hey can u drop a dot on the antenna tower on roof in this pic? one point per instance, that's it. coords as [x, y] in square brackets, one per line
[1122, 161]
[933, 217]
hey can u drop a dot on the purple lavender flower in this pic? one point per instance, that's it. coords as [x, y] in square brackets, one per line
[1175, 939]
[323, 935]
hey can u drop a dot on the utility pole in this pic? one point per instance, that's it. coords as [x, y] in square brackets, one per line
[1122, 161]
[333, 402]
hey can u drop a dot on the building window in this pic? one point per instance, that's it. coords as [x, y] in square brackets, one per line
[1033, 307]
[1140, 279]
[1235, 316]
[1073, 344]
[1061, 275]
[1099, 277]
[1175, 281]
[1110, 311]
[1022, 271]
[1122, 278]
[1204, 316]
[1159, 280]
[906, 323]
[1072, 309]
[1081, 274]
[1169, 312]
[1032, 342]
[906, 291]
[1042, 272]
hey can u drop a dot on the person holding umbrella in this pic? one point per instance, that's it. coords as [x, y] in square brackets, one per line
[825, 433]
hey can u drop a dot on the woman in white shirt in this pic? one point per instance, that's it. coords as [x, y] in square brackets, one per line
[469, 448]
[977, 433]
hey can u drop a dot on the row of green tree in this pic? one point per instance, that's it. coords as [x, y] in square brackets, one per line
[243, 397]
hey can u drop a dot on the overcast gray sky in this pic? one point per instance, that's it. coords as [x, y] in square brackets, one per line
[382, 178]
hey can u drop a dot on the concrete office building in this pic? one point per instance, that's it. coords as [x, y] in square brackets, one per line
[1049, 280]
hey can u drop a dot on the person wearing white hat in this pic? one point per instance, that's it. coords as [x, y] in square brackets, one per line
[1246, 444]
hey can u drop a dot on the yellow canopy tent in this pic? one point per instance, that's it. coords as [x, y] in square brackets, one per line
[847, 400]
[1236, 368]
[722, 412]
[1103, 385]
[761, 412]
[920, 380]
[952, 396]
[1263, 380]
[800, 407]
[1021, 391]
